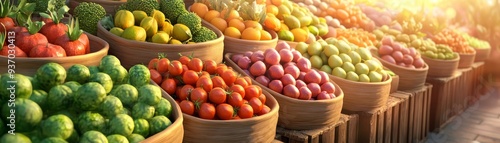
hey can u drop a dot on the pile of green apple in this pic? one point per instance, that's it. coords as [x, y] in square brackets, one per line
[343, 59]
[476, 43]
[436, 51]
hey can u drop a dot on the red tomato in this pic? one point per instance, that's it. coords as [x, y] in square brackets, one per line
[185, 92]
[190, 77]
[219, 82]
[169, 86]
[155, 76]
[210, 66]
[205, 82]
[229, 76]
[195, 64]
[248, 79]
[207, 111]
[256, 104]
[217, 96]
[245, 111]
[153, 63]
[162, 65]
[239, 89]
[198, 95]
[236, 117]
[241, 81]
[187, 107]
[184, 59]
[235, 99]
[265, 110]
[251, 91]
[263, 98]
[184, 69]
[205, 73]
[224, 111]
[220, 69]
[175, 68]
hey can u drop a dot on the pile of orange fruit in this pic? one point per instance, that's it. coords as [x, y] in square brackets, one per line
[453, 39]
[230, 23]
[357, 37]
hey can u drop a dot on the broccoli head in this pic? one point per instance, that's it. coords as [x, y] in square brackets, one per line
[142, 5]
[43, 5]
[191, 20]
[89, 13]
[204, 34]
[172, 9]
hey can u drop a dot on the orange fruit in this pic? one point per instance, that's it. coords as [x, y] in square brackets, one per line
[232, 32]
[272, 22]
[237, 23]
[250, 34]
[199, 8]
[284, 27]
[211, 15]
[254, 24]
[264, 35]
[272, 9]
[220, 23]
[276, 2]
[300, 35]
[229, 16]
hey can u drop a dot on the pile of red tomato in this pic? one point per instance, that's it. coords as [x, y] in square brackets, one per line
[208, 90]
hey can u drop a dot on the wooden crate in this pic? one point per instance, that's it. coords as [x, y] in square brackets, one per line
[477, 81]
[377, 126]
[442, 100]
[344, 131]
[464, 89]
[415, 110]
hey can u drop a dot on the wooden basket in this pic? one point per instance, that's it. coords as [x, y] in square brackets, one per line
[109, 5]
[175, 132]
[363, 96]
[234, 45]
[132, 52]
[28, 66]
[298, 114]
[409, 79]
[482, 54]
[466, 60]
[256, 129]
[441, 68]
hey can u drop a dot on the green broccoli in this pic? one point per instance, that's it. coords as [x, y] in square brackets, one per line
[191, 20]
[143, 5]
[90, 13]
[203, 35]
[172, 9]
[43, 5]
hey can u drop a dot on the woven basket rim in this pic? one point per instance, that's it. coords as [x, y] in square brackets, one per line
[273, 112]
[91, 37]
[337, 88]
[446, 61]
[426, 67]
[151, 45]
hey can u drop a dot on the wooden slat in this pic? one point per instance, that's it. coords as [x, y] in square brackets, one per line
[352, 129]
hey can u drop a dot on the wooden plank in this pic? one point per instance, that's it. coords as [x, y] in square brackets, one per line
[396, 123]
[388, 124]
[341, 133]
[403, 116]
[352, 130]
[442, 100]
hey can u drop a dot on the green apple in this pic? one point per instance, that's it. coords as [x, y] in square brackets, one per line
[441, 56]
[364, 78]
[315, 48]
[306, 55]
[335, 61]
[330, 50]
[355, 57]
[352, 76]
[339, 72]
[362, 68]
[345, 57]
[301, 47]
[364, 53]
[347, 66]
[375, 76]
[316, 61]
[326, 69]
[331, 40]
[322, 42]
[372, 65]
[343, 46]
[324, 58]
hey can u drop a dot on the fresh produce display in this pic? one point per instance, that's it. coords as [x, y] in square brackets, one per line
[476, 43]
[298, 23]
[228, 19]
[453, 39]
[345, 11]
[208, 90]
[6, 10]
[398, 54]
[436, 51]
[285, 71]
[379, 14]
[343, 59]
[91, 13]
[358, 37]
[44, 5]
[48, 37]
[153, 21]
[102, 103]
